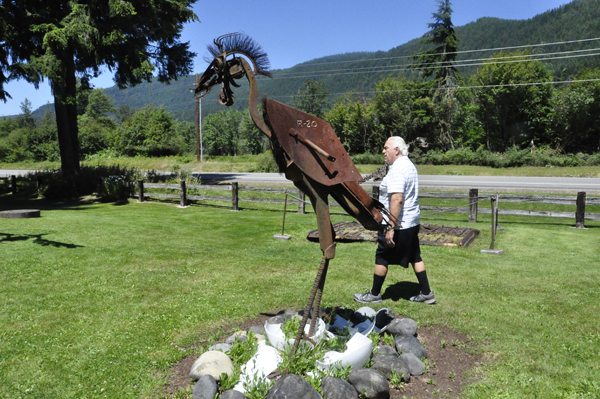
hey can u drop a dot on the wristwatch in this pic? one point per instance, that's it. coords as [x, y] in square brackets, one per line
[389, 227]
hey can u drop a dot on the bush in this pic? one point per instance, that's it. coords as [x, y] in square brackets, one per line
[116, 188]
[368, 159]
[89, 180]
[266, 163]
[513, 157]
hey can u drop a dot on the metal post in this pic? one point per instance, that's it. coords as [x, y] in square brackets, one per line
[283, 236]
[301, 203]
[13, 184]
[494, 210]
[493, 200]
[284, 209]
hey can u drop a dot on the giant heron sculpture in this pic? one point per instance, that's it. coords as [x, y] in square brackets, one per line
[305, 148]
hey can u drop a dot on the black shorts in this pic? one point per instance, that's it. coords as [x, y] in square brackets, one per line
[406, 250]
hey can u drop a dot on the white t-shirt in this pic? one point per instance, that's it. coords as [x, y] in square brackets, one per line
[402, 178]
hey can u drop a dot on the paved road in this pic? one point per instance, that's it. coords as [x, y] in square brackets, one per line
[483, 183]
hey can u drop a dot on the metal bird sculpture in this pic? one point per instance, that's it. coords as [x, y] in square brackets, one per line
[305, 147]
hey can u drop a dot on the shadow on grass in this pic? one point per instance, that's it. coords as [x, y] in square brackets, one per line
[401, 290]
[37, 239]
[8, 202]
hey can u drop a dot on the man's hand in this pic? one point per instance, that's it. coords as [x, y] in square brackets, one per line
[389, 237]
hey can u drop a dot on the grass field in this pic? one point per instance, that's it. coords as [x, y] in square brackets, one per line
[99, 300]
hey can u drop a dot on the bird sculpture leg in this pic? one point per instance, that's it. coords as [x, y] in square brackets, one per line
[318, 195]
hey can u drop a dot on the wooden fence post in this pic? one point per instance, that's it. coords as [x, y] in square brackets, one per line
[234, 196]
[580, 212]
[183, 194]
[301, 204]
[13, 184]
[473, 197]
[140, 191]
[376, 192]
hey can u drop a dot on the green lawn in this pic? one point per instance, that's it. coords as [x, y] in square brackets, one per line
[99, 300]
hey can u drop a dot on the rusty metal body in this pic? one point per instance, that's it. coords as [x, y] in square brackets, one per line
[311, 155]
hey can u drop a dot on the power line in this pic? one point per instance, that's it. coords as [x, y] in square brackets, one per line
[380, 70]
[463, 51]
[434, 64]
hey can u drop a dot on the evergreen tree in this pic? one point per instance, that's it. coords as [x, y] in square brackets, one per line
[62, 39]
[311, 98]
[439, 61]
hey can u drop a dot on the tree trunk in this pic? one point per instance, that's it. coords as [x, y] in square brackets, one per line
[65, 104]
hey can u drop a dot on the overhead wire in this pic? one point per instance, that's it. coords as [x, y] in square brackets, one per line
[461, 51]
[435, 64]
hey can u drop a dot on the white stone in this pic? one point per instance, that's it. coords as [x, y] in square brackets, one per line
[212, 363]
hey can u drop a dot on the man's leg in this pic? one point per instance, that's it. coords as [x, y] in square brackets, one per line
[374, 295]
[419, 268]
[378, 279]
[426, 294]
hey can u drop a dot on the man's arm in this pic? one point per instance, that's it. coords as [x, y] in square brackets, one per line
[396, 202]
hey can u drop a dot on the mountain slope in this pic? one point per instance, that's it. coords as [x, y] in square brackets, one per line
[577, 20]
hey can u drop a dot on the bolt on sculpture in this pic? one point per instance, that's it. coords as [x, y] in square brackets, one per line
[305, 148]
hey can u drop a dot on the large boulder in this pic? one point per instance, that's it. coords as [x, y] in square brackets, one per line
[402, 327]
[212, 363]
[205, 388]
[414, 364]
[336, 388]
[386, 364]
[410, 344]
[220, 347]
[292, 386]
[370, 384]
[232, 394]
[386, 350]
[237, 336]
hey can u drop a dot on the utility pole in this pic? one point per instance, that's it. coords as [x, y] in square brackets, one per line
[198, 156]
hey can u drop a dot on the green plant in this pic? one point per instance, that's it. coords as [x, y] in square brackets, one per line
[257, 387]
[242, 351]
[374, 337]
[290, 327]
[430, 381]
[314, 379]
[302, 362]
[388, 339]
[115, 188]
[265, 163]
[396, 379]
[452, 375]
[443, 343]
[229, 381]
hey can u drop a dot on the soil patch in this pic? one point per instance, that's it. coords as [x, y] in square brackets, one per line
[451, 358]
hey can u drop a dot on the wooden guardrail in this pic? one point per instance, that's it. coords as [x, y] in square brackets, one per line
[11, 183]
[472, 208]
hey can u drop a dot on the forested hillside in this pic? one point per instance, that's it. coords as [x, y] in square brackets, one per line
[360, 71]
[490, 87]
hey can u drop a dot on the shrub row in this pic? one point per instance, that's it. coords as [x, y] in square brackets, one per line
[481, 157]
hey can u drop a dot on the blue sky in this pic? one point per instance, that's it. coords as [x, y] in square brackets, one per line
[293, 31]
